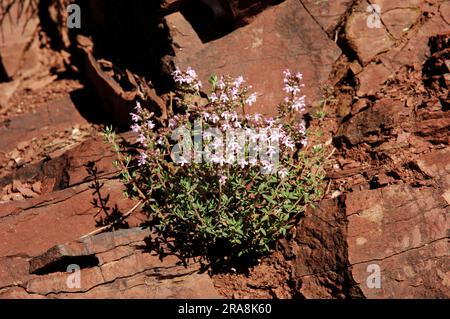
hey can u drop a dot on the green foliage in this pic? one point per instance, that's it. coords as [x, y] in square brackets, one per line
[194, 213]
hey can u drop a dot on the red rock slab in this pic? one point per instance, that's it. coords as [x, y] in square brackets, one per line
[437, 165]
[18, 32]
[101, 244]
[123, 270]
[51, 117]
[30, 227]
[403, 39]
[404, 231]
[142, 276]
[328, 13]
[368, 42]
[283, 36]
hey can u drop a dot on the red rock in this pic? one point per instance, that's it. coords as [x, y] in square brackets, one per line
[444, 10]
[25, 224]
[371, 78]
[373, 125]
[53, 116]
[18, 50]
[365, 41]
[120, 273]
[286, 28]
[404, 231]
[7, 90]
[328, 13]
[399, 20]
[447, 79]
[117, 101]
[37, 187]
[319, 256]
[26, 192]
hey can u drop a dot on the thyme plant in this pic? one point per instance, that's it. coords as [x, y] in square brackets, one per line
[219, 180]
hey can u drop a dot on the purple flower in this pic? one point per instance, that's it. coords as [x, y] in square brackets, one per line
[141, 139]
[223, 180]
[213, 97]
[283, 173]
[251, 99]
[239, 80]
[138, 107]
[135, 117]
[142, 159]
[150, 125]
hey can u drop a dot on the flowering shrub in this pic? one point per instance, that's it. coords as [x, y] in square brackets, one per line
[219, 180]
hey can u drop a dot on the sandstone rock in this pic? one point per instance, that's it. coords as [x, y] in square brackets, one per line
[284, 35]
[93, 245]
[320, 256]
[135, 274]
[25, 229]
[444, 9]
[399, 21]
[7, 90]
[374, 124]
[436, 164]
[18, 46]
[403, 231]
[117, 101]
[398, 16]
[37, 187]
[368, 42]
[328, 13]
[371, 78]
[53, 116]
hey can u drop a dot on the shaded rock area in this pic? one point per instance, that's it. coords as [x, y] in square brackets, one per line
[381, 78]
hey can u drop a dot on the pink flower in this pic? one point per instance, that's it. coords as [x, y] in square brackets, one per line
[221, 84]
[183, 161]
[283, 173]
[150, 125]
[141, 139]
[299, 104]
[135, 128]
[251, 99]
[239, 80]
[224, 98]
[142, 159]
[253, 161]
[135, 117]
[213, 97]
[138, 107]
[223, 180]
[215, 118]
[226, 126]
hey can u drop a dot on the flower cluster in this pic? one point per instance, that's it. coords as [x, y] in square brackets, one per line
[293, 86]
[188, 78]
[231, 135]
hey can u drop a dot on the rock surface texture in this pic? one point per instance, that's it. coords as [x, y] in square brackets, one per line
[283, 36]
